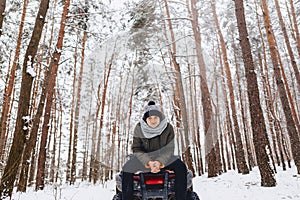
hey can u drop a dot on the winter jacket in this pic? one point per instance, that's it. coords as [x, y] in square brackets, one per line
[159, 148]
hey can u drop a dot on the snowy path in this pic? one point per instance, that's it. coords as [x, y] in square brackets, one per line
[229, 186]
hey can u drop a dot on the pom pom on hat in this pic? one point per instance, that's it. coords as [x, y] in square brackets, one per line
[151, 103]
[152, 110]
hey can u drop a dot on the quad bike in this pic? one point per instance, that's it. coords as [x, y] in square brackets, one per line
[155, 186]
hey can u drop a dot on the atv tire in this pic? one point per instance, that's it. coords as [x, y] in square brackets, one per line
[191, 195]
[117, 196]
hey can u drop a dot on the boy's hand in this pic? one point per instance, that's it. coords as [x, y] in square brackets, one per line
[154, 165]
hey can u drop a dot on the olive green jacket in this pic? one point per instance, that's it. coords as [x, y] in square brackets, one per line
[159, 148]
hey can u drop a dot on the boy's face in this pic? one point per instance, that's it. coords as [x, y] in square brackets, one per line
[153, 121]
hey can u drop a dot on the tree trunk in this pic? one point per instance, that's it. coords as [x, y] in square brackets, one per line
[29, 151]
[72, 111]
[2, 14]
[205, 94]
[257, 119]
[14, 159]
[60, 122]
[243, 103]
[239, 150]
[54, 145]
[50, 90]
[77, 111]
[288, 44]
[295, 23]
[266, 82]
[9, 87]
[106, 74]
[126, 149]
[266, 89]
[86, 145]
[92, 172]
[291, 125]
[31, 143]
[179, 95]
[228, 123]
[198, 137]
[4, 137]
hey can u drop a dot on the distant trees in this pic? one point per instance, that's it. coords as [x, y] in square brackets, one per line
[228, 83]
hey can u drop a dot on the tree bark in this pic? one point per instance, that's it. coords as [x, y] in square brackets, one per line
[257, 119]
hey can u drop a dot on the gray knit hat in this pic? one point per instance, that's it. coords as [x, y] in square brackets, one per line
[152, 110]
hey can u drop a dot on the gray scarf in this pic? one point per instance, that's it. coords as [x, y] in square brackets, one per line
[149, 132]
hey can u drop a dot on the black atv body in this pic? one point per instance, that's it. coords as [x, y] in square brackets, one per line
[155, 186]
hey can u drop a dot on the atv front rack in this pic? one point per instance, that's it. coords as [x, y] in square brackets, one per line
[154, 185]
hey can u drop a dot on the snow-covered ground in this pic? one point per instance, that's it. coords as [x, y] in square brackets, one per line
[229, 186]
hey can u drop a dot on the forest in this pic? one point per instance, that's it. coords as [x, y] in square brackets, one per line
[75, 76]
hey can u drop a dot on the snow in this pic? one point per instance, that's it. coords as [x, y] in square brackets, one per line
[228, 186]
[234, 186]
